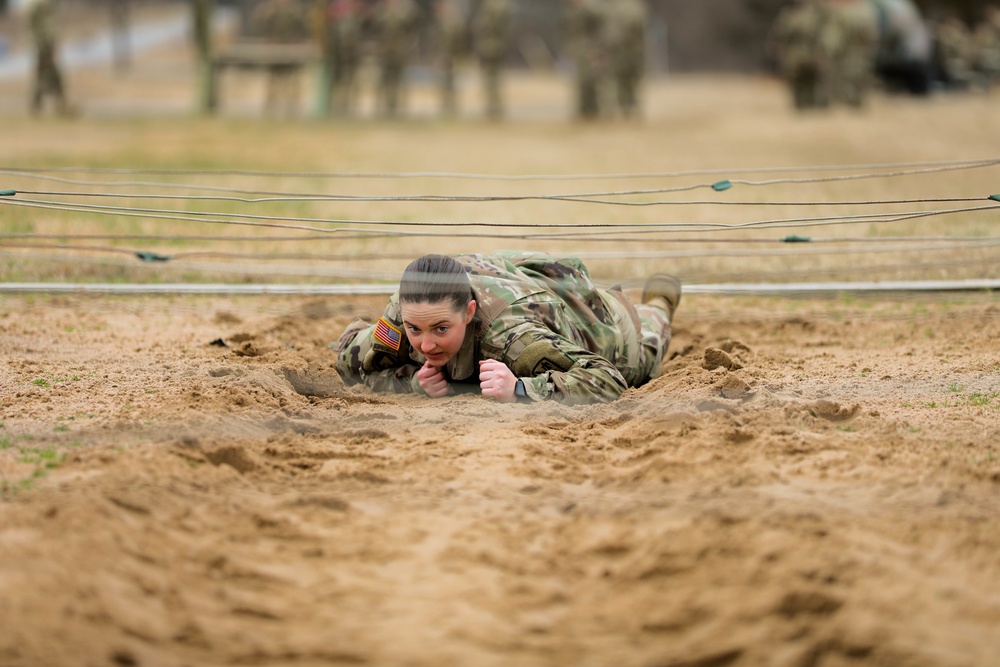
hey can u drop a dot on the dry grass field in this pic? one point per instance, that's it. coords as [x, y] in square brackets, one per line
[828, 497]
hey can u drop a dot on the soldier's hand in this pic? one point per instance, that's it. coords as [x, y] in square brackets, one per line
[497, 381]
[432, 381]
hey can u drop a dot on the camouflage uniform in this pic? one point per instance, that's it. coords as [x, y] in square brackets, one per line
[492, 32]
[452, 27]
[987, 39]
[585, 23]
[48, 78]
[804, 43]
[343, 52]
[626, 39]
[955, 52]
[856, 31]
[281, 22]
[395, 23]
[540, 315]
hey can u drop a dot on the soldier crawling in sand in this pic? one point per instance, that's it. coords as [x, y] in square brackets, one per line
[514, 326]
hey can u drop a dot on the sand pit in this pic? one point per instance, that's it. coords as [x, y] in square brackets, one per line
[833, 501]
[810, 482]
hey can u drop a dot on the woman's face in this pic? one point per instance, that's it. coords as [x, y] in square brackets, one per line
[436, 330]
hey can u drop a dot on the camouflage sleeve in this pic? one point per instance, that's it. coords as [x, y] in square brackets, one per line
[378, 355]
[553, 367]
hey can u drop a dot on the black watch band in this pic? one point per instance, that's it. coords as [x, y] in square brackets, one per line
[519, 391]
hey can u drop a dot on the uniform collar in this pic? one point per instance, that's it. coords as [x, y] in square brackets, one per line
[463, 365]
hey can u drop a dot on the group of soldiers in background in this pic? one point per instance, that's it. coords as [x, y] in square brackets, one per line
[392, 28]
[827, 51]
[968, 56]
[607, 40]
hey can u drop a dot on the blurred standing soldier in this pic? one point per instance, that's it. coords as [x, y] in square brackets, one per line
[987, 39]
[804, 43]
[395, 26]
[492, 34]
[202, 36]
[343, 46]
[451, 24]
[856, 29]
[627, 50]
[585, 27]
[48, 78]
[282, 22]
[954, 52]
[121, 47]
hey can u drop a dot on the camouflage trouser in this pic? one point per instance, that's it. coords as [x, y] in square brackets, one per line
[48, 80]
[449, 95]
[810, 87]
[391, 85]
[343, 84]
[627, 83]
[656, 333]
[643, 334]
[588, 103]
[282, 95]
[491, 85]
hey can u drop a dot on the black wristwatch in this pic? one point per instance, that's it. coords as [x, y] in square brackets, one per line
[519, 391]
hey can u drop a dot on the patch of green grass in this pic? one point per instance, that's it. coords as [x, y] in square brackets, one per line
[847, 428]
[956, 388]
[931, 404]
[45, 457]
[42, 460]
[979, 399]
[41, 382]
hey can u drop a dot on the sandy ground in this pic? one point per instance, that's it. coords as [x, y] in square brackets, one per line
[810, 482]
[830, 498]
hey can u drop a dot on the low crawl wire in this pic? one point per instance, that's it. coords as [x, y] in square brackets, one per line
[942, 164]
[258, 220]
[971, 244]
[581, 199]
[556, 197]
[324, 237]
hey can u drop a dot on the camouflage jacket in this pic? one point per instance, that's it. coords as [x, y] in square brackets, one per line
[626, 34]
[540, 315]
[42, 21]
[395, 24]
[282, 22]
[804, 36]
[492, 29]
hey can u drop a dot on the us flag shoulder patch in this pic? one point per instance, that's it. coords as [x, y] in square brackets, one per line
[388, 334]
